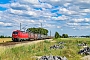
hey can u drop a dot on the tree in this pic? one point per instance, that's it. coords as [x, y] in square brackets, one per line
[64, 35]
[57, 35]
[2, 36]
[38, 30]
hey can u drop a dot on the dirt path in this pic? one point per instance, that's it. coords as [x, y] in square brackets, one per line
[86, 57]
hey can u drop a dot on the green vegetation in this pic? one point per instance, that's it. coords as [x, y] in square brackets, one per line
[43, 48]
[38, 30]
[64, 35]
[2, 36]
[57, 35]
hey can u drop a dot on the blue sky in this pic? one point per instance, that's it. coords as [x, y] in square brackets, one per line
[4, 1]
[64, 16]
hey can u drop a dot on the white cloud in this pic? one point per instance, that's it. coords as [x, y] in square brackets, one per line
[66, 4]
[32, 13]
[27, 21]
[78, 25]
[5, 5]
[18, 12]
[0, 17]
[43, 5]
[1, 31]
[29, 1]
[41, 21]
[84, 1]
[86, 10]
[87, 19]
[81, 20]
[63, 17]
[56, 2]
[66, 11]
[18, 6]
[61, 29]
[78, 20]
[49, 26]
[73, 24]
[58, 26]
[5, 24]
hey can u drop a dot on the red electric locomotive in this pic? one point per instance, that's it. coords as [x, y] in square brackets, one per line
[18, 35]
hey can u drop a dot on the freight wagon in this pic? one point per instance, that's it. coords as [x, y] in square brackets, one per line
[18, 35]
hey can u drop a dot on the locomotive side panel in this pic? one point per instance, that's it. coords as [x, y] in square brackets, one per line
[23, 36]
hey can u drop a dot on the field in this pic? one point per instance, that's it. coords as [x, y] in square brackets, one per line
[5, 39]
[32, 52]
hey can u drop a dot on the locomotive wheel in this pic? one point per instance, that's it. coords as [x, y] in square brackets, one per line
[19, 40]
[28, 39]
[15, 40]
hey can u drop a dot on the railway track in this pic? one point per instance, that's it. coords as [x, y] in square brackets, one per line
[14, 43]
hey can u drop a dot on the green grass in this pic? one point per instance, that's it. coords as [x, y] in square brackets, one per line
[27, 52]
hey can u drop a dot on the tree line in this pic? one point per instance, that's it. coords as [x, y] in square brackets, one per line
[87, 36]
[45, 32]
[57, 35]
[38, 31]
[2, 36]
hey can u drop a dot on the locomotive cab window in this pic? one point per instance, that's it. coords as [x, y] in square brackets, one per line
[15, 32]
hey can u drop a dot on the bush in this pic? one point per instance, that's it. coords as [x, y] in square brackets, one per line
[64, 35]
[57, 35]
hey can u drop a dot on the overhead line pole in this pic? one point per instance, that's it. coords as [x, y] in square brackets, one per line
[20, 26]
[50, 33]
[41, 25]
[40, 30]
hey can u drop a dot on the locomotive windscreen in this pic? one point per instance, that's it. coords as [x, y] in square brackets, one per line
[15, 32]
